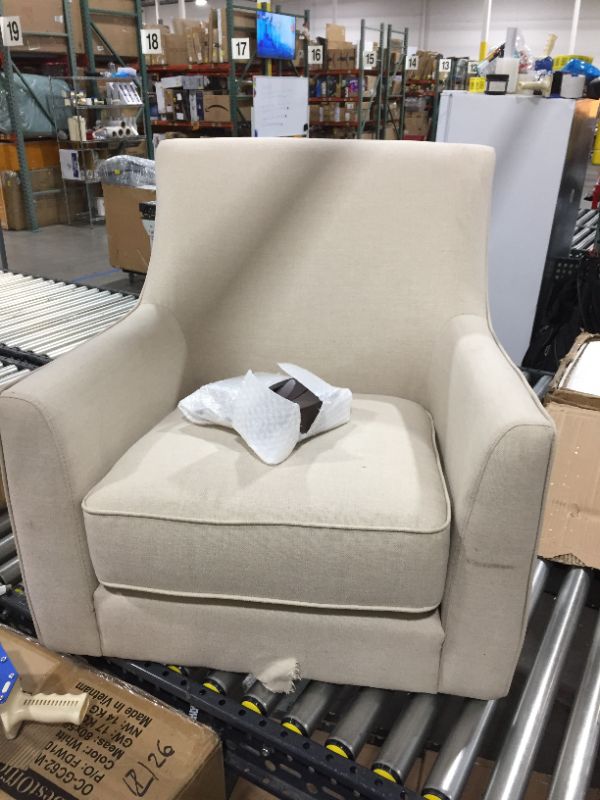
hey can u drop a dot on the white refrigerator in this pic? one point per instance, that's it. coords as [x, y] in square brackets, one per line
[530, 136]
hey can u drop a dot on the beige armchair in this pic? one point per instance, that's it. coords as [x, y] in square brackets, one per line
[394, 551]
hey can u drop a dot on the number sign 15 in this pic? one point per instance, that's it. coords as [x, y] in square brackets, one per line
[370, 59]
[151, 42]
[12, 33]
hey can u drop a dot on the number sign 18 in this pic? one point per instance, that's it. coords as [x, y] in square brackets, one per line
[12, 33]
[151, 42]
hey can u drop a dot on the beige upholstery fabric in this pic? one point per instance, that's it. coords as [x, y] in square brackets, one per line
[395, 649]
[62, 428]
[211, 520]
[477, 396]
[282, 258]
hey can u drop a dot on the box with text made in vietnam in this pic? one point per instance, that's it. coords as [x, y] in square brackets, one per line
[128, 746]
[570, 529]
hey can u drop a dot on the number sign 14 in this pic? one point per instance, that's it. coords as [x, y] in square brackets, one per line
[12, 32]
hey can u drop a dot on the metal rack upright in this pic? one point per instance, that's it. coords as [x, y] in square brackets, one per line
[12, 71]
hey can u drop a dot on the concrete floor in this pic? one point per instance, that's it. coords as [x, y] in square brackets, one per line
[71, 253]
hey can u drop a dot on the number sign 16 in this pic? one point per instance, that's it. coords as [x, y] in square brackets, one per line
[12, 33]
[315, 55]
[151, 42]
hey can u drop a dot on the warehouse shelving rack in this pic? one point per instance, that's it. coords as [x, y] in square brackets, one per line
[389, 77]
[11, 72]
[236, 76]
[91, 29]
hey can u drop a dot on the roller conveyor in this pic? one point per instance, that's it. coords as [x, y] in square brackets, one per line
[352, 719]
[586, 226]
[41, 319]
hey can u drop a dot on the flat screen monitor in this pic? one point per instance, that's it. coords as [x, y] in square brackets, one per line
[275, 35]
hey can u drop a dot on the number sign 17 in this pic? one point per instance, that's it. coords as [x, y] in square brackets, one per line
[240, 49]
[12, 33]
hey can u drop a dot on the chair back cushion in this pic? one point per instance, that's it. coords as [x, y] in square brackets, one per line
[346, 257]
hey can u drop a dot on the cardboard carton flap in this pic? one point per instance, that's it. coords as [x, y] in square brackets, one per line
[129, 744]
[571, 523]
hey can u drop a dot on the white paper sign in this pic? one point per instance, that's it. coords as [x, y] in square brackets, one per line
[12, 33]
[412, 62]
[280, 106]
[472, 68]
[370, 59]
[240, 49]
[445, 64]
[152, 42]
[315, 55]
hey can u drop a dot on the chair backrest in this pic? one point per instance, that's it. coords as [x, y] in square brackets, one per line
[346, 257]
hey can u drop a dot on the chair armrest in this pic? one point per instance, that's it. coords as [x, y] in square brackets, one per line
[496, 444]
[61, 430]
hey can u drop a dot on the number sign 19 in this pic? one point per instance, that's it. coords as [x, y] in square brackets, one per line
[240, 49]
[12, 33]
[315, 55]
[151, 41]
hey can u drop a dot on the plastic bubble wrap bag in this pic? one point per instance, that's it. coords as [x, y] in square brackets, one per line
[269, 423]
[128, 171]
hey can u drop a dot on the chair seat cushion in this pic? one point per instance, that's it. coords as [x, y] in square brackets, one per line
[357, 518]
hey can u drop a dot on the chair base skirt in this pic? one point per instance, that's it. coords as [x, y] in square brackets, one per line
[390, 651]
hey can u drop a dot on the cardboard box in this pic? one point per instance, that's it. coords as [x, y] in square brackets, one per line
[570, 530]
[40, 154]
[341, 55]
[129, 245]
[51, 209]
[47, 15]
[335, 33]
[416, 123]
[120, 32]
[129, 745]
[175, 49]
[217, 107]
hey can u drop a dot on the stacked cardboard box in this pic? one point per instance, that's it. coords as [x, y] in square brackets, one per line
[47, 16]
[184, 98]
[416, 124]
[51, 209]
[340, 53]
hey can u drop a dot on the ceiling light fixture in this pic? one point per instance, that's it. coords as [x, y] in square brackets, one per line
[201, 2]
